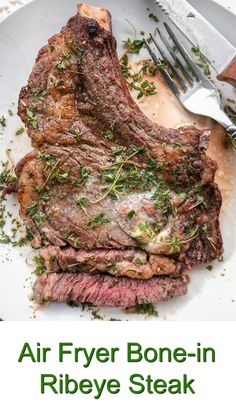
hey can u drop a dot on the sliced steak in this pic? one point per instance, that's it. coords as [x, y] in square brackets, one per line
[105, 290]
[115, 198]
[132, 263]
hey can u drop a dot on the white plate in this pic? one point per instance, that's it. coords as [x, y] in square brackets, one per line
[211, 294]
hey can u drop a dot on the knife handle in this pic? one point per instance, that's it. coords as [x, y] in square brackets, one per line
[232, 131]
[229, 73]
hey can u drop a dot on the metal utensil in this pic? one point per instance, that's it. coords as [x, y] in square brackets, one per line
[193, 89]
[214, 46]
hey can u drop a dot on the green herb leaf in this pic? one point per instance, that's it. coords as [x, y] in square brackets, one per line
[3, 121]
[31, 209]
[153, 17]
[147, 88]
[40, 265]
[131, 214]
[44, 196]
[138, 261]
[108, 135]
[82, 202]
[133, 47]
[97, 220]
[39, 217]
[40, 94]
[4, 238]
[32, 118]
[20, 131]
[146, 308]
[63, 63]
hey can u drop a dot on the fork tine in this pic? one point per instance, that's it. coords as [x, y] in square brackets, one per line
[163, 71]
[176, 58]
[173, 70]
[195, 69]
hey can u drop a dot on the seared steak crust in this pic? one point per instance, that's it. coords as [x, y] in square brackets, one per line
[63, 207]
[77, 93]
[115, 198]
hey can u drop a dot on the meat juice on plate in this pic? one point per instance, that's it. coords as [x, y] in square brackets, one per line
[163, 108]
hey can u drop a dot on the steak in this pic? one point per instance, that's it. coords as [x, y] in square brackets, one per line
[105, 290]
[76, 95]
[132, 263]
[112, 198]
[63, 202]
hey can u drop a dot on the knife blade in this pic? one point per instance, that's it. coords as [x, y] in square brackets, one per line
[213, 45]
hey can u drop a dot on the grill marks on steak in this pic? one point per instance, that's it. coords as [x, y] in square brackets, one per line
[115, 198]
[105, 290]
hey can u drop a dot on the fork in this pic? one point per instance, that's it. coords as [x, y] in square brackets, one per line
[191, 87]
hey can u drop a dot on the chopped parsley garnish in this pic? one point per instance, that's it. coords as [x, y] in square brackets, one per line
[202, 62]
[40, 265]
[146, 308]
[71, 236]
[77, 134]
[44, 196]
[191, 14]
[135, 81]
[31, 209]
[96, 314]
[131, 214]
[82, 202]
[32, 117]
[175, 244]
[209, 267]
[4, 238]
[133, 47]
[63, 63]
[147, 231]
[97, 220]
[161, 198]
[23, 240]
[40, 94]
[39, 217]
[6, 178]
[84, 174]
[147, 88]
[231, 113]
[153, 17]
[138, 261]
[58, 176]
[20, 131]
[3, 121]
[108, 135]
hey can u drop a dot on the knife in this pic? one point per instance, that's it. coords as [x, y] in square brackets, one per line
[217, 50]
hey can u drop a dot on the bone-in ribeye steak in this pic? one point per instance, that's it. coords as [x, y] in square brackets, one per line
[122, 207]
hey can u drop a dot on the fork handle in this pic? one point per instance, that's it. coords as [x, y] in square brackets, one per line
[229, 73]
[232, 131]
